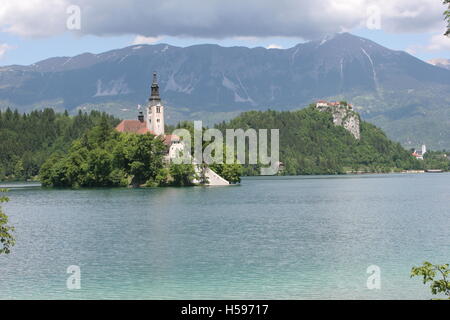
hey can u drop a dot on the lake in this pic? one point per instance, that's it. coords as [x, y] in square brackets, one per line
[269, 238]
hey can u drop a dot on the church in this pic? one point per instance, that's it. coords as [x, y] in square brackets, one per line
[153, 122]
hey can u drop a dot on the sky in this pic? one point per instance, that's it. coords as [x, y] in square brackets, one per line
[33, 30]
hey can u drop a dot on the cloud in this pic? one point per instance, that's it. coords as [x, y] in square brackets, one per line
[4, 48]
[33, 18]
[146, 40]
[438, 42]
[219, 19]
[274, 46]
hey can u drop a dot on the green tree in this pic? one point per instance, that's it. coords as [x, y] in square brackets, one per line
[27, 140]
[7, 240]
[182, 174]
[311, 144]
[105, 158]
[437, 275]
[18, 170]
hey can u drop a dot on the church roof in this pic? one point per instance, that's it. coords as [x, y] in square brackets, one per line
[133, 126]
[138, 127]
[169, 138]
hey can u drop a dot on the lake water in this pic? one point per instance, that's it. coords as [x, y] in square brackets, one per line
[277, 238]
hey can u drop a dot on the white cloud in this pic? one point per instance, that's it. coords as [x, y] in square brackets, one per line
[146, 40]
[438, 42]
[4, 47]
[217, 18]
[274, 46]
[33, 18]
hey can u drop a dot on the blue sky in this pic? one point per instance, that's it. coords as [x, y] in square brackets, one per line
[30, 33]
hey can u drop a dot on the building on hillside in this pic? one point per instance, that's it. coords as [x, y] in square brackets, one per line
[322, 104]
[418, 154]
[343, 115]
[153, 122]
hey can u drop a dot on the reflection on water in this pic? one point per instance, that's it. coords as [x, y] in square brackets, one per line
[271, 237]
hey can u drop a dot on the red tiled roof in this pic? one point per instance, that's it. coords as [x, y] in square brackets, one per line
[133, 126]
[138, 127]
[169, 138]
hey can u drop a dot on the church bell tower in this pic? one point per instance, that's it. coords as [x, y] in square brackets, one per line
[155, 110]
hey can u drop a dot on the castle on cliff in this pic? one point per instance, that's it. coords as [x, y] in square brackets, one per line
[343, 115]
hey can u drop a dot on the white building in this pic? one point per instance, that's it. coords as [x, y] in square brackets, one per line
[418, 154]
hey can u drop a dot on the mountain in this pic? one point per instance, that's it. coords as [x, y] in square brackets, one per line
[440, 62]
[405, 96]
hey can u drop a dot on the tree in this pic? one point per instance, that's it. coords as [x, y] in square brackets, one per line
[429, 271]
[105, 158]
[182, 174]
[27, 140]
[6, 238]
[447, 17]
[311, 144]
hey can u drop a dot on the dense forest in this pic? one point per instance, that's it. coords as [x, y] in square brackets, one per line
[94, 159]
[27, 140]
[436, 160]
[85, 151]
[104, 157]
[311, 144]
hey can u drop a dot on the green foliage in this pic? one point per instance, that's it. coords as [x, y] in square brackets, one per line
[182, 174]
[105, 158]
[436, 160]
[429, 273]
[6, 238]
[27, 140]
[230, 172]
[311, 144]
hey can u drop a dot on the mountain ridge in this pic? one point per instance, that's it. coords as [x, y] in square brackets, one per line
[390, 88]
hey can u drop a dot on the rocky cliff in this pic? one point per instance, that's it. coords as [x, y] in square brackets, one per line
[343, 115]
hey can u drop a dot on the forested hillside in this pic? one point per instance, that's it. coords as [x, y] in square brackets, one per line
[27, 140]
[311, 144]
